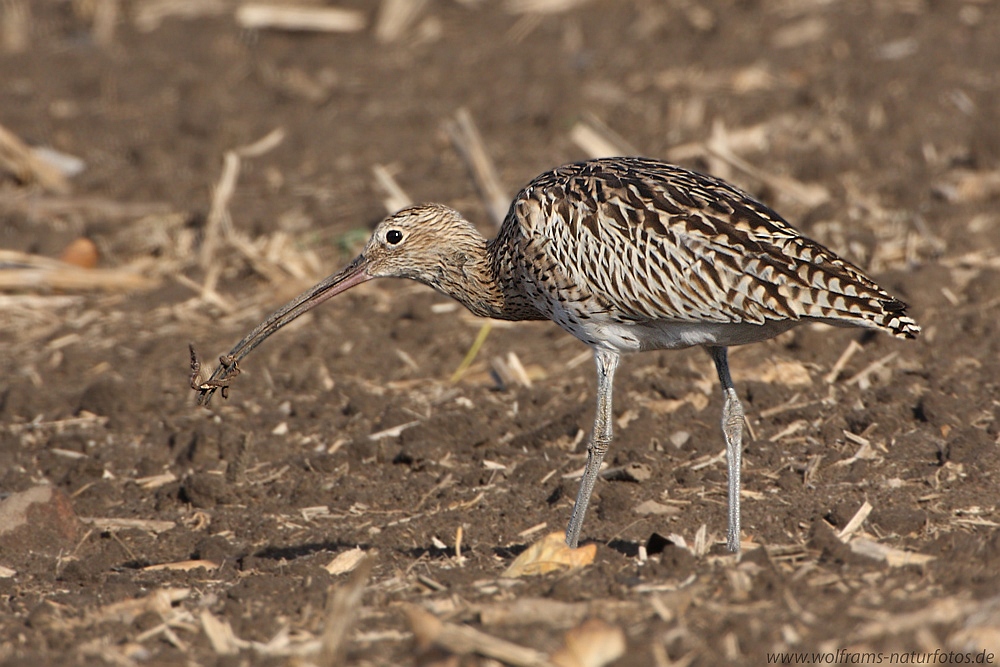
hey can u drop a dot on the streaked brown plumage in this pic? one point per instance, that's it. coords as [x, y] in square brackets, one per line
[627, 254]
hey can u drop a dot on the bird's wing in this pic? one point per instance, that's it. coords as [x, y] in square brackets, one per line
[652, 241]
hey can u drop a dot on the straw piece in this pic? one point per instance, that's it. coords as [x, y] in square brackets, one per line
[791, 404]
[845, 356]
[700, 546]
[18, 159]
[37, 272]
[469, 144]
[66, 164]
[855, 523]
[962, 186]
[395, 17]
[524, 611]
[15, 26]
[115, 524]
[105, 209]
[220, 634]
[774, 371]
[206, 293]
[743, 80]
[105, 19]
[509, 370]
[938, 612]
[341, 612]
[864, 453]
[862, 377]
[470, 356]
[393, 432]
[149, 15]
[429, 631]
[598, 140]
[800, 33]
[396, 197]
[218, 223]
[592, 142]
[265, 144]
[892, 556]
[156, 481]
[542, 6]
[159, 602]
[255, 16]
[265, 266]
[182, 566]
[755, 138]
[789, 430]
[810, 195]
[68, 453]
[218, 226]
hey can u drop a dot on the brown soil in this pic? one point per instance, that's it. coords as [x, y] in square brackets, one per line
[891, 107]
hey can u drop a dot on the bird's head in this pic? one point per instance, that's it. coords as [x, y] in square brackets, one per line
[428, 243]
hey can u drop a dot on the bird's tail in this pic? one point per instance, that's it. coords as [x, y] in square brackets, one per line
[894, 319]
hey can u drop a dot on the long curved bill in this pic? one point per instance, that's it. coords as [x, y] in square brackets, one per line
[351, 275]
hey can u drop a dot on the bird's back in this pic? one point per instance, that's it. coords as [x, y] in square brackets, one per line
[636, 242]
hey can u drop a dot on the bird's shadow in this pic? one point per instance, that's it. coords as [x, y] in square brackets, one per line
[296, 551]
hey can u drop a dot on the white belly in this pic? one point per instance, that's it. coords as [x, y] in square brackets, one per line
[669, 335]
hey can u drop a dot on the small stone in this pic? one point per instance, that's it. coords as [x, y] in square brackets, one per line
[40, 520]
[81, 252]
[653, 508]
[679, 438]
[205, 491]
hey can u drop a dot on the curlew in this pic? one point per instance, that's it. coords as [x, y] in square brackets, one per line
[626, 254]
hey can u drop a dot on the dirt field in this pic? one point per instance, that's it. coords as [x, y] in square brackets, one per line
[180, 535]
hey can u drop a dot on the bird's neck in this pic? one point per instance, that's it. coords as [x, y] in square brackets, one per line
[474, 277]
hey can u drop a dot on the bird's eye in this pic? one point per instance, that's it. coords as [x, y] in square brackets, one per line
[393, 236]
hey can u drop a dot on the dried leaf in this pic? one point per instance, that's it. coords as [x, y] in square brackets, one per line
[549, 554]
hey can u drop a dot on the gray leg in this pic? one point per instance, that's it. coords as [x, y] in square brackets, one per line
[732, 427]
[600, 439]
